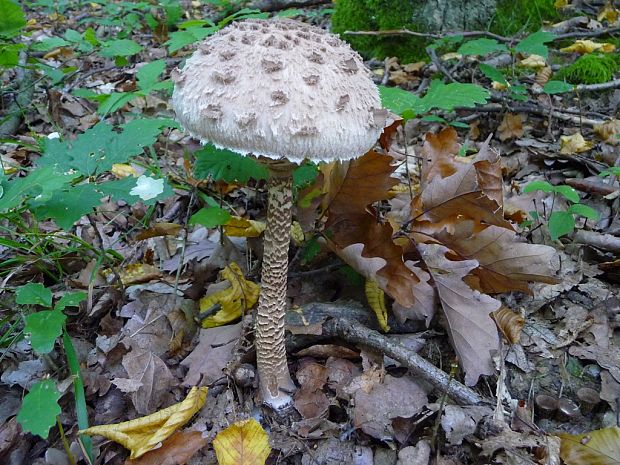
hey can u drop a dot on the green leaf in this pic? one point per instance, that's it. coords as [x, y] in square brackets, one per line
[70, 299]
[44, 327]
[434, 119]
[583, 210]
[12, 18]
[290, 13]
[128, 189]
[534, 44]
[97, 149]
[400, 101]
[40, 408]
[459, 124]
[49, 44]
[538, 186]
[492, 73]
[68, 206]
[557, 87]
[33, 294]
[120, 48]
[114, 101]
[41, 183]
[561, 223]
[9, 54]
[210, 217]
[148, 75]
[180, 39]
[568, 192]
[612, 171]
[226, 165]
[304, 175]
[449, 96]
[481, 46]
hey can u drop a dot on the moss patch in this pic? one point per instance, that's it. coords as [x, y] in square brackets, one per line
[511, 16]
[590, 69]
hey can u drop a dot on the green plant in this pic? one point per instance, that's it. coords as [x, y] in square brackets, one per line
[590, 69]
[513, 16]
[559, 222]
[12, 21]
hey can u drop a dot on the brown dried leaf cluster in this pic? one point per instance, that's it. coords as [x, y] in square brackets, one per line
[459, 247]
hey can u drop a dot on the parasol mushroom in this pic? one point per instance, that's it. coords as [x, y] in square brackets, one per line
[285, 92]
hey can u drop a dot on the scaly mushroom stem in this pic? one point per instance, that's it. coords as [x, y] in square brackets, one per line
[275, 380]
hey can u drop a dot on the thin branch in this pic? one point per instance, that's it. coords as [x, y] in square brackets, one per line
[429, 35]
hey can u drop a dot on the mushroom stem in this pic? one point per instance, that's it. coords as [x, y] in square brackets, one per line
[275, 380]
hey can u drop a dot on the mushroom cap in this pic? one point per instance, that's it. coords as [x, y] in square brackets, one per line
[281, 89]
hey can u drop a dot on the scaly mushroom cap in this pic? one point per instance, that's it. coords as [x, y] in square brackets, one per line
[281, 89]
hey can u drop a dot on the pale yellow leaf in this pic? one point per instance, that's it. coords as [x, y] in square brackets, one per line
[242, 227]
[608, 131]
[135, 273]
[589, 46]
[574, 144]
[500, 85]
[376, 300]
[123, 170]
[534, 62]
[231, 302]
[600, 447]
[297, 233]
[451, 56]
[609, 14]
[145, 433]
[560, 4]
[242, 443]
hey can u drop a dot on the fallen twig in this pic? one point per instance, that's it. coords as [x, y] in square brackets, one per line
[598, 240]
[356, 333]
[429, 35]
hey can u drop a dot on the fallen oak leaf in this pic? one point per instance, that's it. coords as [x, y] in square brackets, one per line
[145, 433]
[574, 144]
[242, 443]
[600, 447]
[471, 330]
[511, 127]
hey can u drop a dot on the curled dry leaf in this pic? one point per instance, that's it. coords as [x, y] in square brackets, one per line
[533, 62]
[134, 273]
[231, 302]
[600, 447]
[574, 144]
[376, 300]
[589, 46]
[159, 229]
[242, 443]
[243, 227]
[145, 433]
[509, 323]
[511, 127]
[609, 131]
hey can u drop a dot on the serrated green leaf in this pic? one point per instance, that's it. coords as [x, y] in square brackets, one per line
[9, 54]
[12, 18]
[561, 223]
[492, 73]
[44, 327]
[557, 87]
[583, 210]
[70, 299]
[226, 165]
[41, 184]
[400, 101]
[120, 48]
[482, 46]
[114, 101]
[68, 206]
[49, 44]
[122, 189]
[538, 186]
[33, 294]
[97, 149]
[534, 44]
[180, 39]
[40, 408]
[455, 94]
[149, 74]
[210, 217]
[568, 192]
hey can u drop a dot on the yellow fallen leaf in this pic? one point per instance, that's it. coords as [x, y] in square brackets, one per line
[560, 4]
[376, 300]
[574, 144]
[451, 56]
[297, 233]
[242, 443]
[135, 273]
[242, 227]
[144, 434]
[231, 302]
[123, 170]
[534, 62]
[589, 46]
[600, 447]
[511, 127]
[500, 85]
[609, 14]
